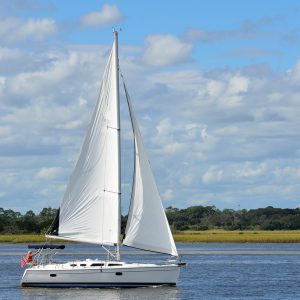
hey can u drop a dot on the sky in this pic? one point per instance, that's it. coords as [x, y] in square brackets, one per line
[215, 85]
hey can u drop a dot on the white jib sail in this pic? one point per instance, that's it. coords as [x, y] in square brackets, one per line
[90, 209]
[147, 226]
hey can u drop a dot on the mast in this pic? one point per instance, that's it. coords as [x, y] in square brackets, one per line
[119, 139]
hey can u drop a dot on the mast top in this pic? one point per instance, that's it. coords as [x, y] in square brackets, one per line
[115, 32]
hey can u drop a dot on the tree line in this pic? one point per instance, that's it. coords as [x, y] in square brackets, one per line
[13, 222]
[191, 218]
[209, 217]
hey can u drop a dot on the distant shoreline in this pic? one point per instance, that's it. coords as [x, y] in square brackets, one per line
[209, 236]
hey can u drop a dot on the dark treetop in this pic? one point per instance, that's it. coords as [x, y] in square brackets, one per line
[191, 218]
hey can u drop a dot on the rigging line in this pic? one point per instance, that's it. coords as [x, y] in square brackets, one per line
[154, 251]
[112, 192]
[108, 251]
[118, 129]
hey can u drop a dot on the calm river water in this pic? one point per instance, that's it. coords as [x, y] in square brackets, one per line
[275, 275]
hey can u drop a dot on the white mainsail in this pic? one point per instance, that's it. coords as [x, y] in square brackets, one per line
[90, 209]
[147, 226]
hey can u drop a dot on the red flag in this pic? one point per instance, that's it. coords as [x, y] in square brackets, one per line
[27, 259]
[23, 262]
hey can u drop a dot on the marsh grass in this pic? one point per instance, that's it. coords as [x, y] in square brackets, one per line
[223, 236]
[22, 238]
[213, 236]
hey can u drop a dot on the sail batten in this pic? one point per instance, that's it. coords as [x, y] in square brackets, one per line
[147, 226]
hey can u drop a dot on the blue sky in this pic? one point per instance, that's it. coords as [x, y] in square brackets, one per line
[215, 84]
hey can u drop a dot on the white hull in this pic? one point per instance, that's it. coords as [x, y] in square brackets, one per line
[89, 274]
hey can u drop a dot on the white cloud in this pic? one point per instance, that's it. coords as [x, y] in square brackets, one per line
[107, 15]
[212, 175]
[294, 74]
[51, 190]
[70, 125]
[193, 130]
[164, 50]
[9, 54]
[164, 127]
[208, 141]
[232, 96]
[8, 178]
[215, 88]
[173, 148]
[49, 173]
[287, 173]
[251, 171]
[168, 194]
[186, 179]
[14, 30]
[33, 83]
[227, 130]
[2, 84]
[6, 134]
[2, 194]
[27, 5]
[238, 84]
[247, 30]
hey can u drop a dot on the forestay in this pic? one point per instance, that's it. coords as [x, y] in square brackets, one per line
[147, 226]
[90, 209]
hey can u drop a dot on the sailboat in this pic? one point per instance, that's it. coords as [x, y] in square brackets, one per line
[90, 211]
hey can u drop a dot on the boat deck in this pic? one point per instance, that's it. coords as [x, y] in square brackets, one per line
[94, 264]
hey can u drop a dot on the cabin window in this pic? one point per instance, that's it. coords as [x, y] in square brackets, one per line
[73, 265]
[83, 265]
[52, 275]
[97, 265]
[113, 265]
[119, 273]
